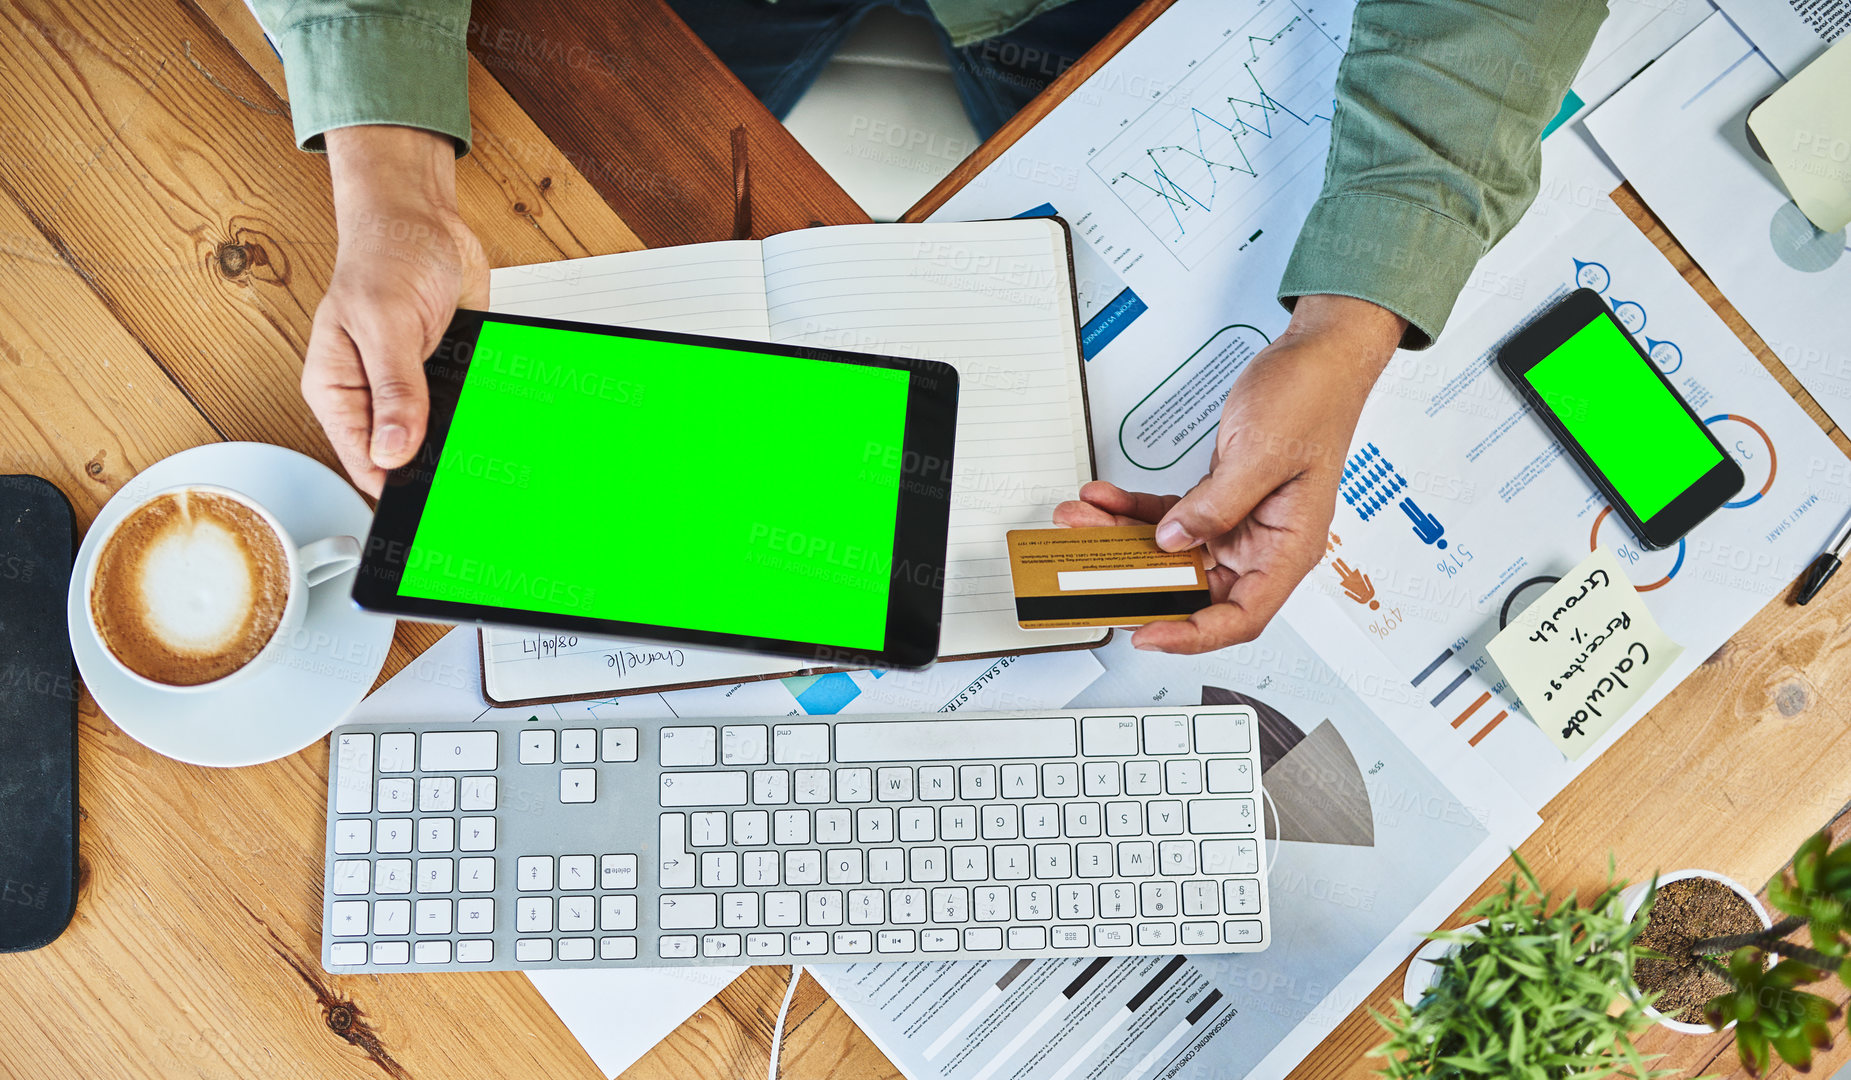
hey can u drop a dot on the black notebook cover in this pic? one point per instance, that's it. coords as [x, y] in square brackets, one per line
[38, 716]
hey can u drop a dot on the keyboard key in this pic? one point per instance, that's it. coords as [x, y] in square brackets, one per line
[347, 918]
[744, 744]
[391, 953]
[1112, 936]
[810, 943]
[751, 828]
[576, 913]
[677, 946]
[533, 873]
[1137, 858]
[351, 877]
[866, 907]
[618, 912]
[983, 938]
[937, 783]
[1182, 776]
[475, 951]
[1010, 862]
[1221, 816]
[432, 918]
[478, 834]
[677, 866]
[1156, 934]
[617, 948]
[353, 836]
[771, 787]
[976, 782]
[1082, 818]
[707, 830]
[478, 793]
[1101, 778]
[1201, 898]
[436, 794]
[834, 826]
[1222, 857]
[1164, 817]
[1158, 900]
[1040, 821]
[581, 785]
[1018, 781]
[1240, 897]
[395, 796]
[893, 784]
[1124, 818]
[1071, 937]
[576, 747]
[783, 909]
[738, 910]
[906, 906]
[720, 944]
[842, 866]
[1143, 778]
[854, 785]
[1242, 932]
[720, 869]
[391, 917]
[800, 744]
[1230, 775]
[397, 752]
[764, 944]
[1074, 901]
[938, 940]
[886, 865]
[1053, 862]
[803, 867]
[1117, 900]
[475, 875]
[475, 916]
[457, 751]
[1222, 733]
[957, 822]
[437, 835]
[689, 911]
[1028, 937]
[990, 904]
[575, 948]
[1176, 858]
[1093, 860]
[812, 785]
[353, 777]
[951, 904]
[1060, 779]
[896, 941]
[917, 825]
[760, 868]
[1034, 903]
[854, 941]
[970, 862]
[682, 746]
[347, 953]
[617, 872]
[874, 825]
[822, 907]
[539, 746]
[947, 740]
[533, 914]
[1201, 933]
[533, 950]
[1107, 736]
[619, 744]
[392, 877]
[435, 875]
[1166, 734]
[999, 822]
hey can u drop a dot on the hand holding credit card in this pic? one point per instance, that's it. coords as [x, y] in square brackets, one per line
[1109, 576]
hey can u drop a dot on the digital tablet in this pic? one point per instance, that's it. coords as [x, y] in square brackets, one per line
[666, 487]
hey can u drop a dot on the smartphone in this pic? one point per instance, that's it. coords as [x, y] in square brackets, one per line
[1621, 420]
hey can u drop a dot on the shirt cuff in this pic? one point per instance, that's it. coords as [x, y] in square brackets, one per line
[375, 69]
[1405, 257]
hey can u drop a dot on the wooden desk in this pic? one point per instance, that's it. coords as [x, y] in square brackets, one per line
[163, 248]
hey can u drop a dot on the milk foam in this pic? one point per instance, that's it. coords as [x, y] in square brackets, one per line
[196, 587]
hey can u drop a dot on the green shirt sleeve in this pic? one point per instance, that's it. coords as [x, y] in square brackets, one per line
[353, 62]
[1436, 147]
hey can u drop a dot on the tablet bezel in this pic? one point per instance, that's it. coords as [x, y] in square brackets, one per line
[921, 528]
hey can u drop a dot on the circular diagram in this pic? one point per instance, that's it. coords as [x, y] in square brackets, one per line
[1593, 542]
[1630, 314]
[1747, 456]
[1800, 244]
[1665, 354]
[1592, 275]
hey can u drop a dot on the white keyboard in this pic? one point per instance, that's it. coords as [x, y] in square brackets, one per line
[503, 845]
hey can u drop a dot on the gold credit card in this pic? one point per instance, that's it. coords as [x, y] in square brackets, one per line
[1113, 576]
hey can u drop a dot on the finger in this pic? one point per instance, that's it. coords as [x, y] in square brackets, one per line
[334, 385]
[392, 351]
[1075, 514]
[1222, 500]
[1251, 602]
[1131, 504]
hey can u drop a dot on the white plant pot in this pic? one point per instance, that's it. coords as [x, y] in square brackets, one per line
[1424, 969]
[1634, 896]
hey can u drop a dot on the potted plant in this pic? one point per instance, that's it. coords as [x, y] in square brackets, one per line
[1535, 991]
[1763, 1001]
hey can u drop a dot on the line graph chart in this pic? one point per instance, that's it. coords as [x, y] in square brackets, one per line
[1246, 121]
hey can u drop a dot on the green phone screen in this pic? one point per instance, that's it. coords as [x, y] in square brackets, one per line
[668, 484]
[1632, 426]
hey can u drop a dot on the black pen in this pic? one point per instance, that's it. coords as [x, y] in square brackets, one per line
[1825, 565]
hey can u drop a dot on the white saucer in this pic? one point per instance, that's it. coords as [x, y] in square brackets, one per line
[325, 671]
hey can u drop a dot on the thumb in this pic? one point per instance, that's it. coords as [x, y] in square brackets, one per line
[394, 363]
[1222, 500]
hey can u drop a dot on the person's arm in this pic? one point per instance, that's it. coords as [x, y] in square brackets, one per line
[1435, 147]
[383, 87]
[1435, 151]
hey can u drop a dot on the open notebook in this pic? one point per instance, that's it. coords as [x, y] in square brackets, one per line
[994, 299]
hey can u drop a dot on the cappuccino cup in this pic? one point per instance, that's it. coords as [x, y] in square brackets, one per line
[196, 584]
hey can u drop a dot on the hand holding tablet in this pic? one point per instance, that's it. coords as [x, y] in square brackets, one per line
[667, 487]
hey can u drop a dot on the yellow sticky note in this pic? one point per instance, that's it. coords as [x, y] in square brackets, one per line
[1584, 653]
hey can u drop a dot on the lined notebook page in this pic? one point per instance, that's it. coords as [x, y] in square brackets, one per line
[994, 300]
[702, 289]
[714, 289]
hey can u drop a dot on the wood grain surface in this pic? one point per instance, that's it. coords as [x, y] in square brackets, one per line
[163, 247]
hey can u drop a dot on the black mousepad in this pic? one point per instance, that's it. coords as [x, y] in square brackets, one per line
[38, 716]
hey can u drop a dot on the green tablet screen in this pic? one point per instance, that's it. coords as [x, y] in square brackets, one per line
[667, 484]
[1633, 428]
